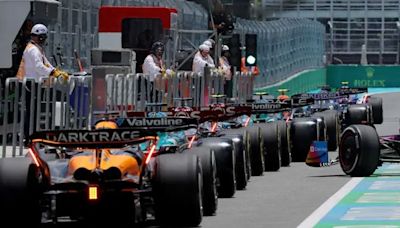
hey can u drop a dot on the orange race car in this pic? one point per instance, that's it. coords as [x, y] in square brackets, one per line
[101, 176]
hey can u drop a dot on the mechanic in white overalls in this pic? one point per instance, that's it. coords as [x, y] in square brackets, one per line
[226, 70]
[202, 59]
[153, 66]
[35, 65]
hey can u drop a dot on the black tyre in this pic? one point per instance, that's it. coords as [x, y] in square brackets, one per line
[377, 111]
[332, 124]
[178, 181]
[359, 150]
[284, 144]
[243, 132]
[303, 131]
[358, 114]
[20, 192]
[255, 143]
[208, 165]
[240, 160]
[225, 160]
[272, 155]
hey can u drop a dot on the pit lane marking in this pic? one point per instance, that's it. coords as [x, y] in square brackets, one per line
[321, 211]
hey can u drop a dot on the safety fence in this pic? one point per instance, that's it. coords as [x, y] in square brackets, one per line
[133, 92]
[284, 47]
[53, 104]
[49, 104]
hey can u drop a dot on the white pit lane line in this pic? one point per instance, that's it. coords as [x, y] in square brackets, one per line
[322, 210]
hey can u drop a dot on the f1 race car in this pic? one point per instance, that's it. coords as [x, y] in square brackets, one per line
[101, 176]
[361, 150]
[337, 110]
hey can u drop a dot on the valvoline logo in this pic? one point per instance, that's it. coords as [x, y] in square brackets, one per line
[318, 154]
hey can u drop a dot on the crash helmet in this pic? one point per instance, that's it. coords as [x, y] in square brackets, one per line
[39, 29]
[283, 97]
[157, 48]
[106, 124]
[282, 94]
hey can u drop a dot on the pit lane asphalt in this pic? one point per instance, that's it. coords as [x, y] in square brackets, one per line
[285, 198]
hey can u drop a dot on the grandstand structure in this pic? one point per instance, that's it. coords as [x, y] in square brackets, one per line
[350, 24]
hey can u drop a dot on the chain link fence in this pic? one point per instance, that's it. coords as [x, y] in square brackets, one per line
[284, 47]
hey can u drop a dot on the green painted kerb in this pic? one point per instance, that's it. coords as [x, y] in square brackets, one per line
[302, 82]
[364, 76]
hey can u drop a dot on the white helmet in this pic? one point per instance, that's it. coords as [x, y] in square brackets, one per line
[39, 29]
[225, 48]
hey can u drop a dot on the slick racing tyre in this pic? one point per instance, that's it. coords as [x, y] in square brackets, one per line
[331, 118]
[244, 134]
[358, 114]
[303, 131]
[225, 160]
[240, 157]
[272, 155]
[359, 150]
[377, 111]
[20, 190]
[208, 163]
[284, 143]
[178, 181]
[255, 143]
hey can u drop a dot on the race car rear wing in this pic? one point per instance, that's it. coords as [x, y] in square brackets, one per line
[320, 96]
[157, 124]
[222, 112]
[131, 131]
[92, 139]
[340, 93]
[353, 90]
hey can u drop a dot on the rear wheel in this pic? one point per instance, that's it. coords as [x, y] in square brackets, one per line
[358, 114]
[208, 163]
[377, 112]
[272, 156]
[284, 144]
[178, 181]
[240, 157]
[332, 124]
[359, 150]
[303, 131]
[243, 132]
[225, 160]
[20, 191]
[256, 146]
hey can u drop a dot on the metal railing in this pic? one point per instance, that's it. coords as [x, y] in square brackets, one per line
[53, 104]
[27, 107]
[135, 93]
